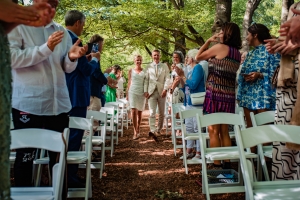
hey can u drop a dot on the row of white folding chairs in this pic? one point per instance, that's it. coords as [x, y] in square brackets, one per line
[177, 125]
[42, 139]
[73, 157]
[125, 111]
[211, 154]
[286, 189]
[77, 157]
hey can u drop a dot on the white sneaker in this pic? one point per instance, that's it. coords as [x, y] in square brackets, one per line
[197, 157]
[188, 155]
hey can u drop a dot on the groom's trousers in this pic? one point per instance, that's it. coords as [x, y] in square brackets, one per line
[156, 100]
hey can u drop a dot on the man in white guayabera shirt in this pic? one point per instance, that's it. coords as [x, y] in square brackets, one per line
[39, 59]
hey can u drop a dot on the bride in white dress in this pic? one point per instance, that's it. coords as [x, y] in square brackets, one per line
[135, 94]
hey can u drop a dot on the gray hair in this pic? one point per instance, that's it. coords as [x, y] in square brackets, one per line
[180, 54]
[192, 53]
[72, 16]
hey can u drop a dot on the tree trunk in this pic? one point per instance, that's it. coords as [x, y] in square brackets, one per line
[286, 4]
[223, 14]
[251, 6]
[178, 37]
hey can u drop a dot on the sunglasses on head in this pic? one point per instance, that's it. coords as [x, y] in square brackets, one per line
[254, 25]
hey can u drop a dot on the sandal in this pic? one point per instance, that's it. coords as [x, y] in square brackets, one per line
[135, 137]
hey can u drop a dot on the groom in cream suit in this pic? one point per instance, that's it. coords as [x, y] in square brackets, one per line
[155, 89]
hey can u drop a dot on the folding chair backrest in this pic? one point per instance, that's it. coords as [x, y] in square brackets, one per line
[184, 114]
[222, 118]
[45, 139]
[270, 133]
[262, 118]
[100, 116]
[80, 123]
[86, 125]
[108, 110]
[176, 107]
[115, 104]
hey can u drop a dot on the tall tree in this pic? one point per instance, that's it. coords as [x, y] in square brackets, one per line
[223, 14]
[251, 6]
[286, 4]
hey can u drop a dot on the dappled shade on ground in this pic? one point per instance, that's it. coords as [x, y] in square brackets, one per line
[141, 169]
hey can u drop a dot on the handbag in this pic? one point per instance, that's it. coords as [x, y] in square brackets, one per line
[198, 98]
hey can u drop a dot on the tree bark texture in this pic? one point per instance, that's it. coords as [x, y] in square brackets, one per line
[178, 36]
[223, 14]
[286, 4]
[251, 6]
[5, 109]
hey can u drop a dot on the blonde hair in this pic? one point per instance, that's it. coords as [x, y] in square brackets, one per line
[136, 56]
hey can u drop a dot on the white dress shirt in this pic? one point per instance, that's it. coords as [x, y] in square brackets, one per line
[39, 83]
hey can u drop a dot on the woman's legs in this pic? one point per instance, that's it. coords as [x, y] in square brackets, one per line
[134, 114]
[139, 120]
[214, 138]
[224, 137]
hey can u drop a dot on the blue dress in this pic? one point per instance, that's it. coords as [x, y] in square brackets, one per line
[259, 94]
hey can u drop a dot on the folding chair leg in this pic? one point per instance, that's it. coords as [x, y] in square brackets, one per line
[102, 159]
[205, 189]
[112, 144]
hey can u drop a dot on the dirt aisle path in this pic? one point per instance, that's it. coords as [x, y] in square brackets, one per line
[142, 168]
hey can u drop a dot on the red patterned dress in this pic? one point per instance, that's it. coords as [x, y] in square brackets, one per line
[220, 83]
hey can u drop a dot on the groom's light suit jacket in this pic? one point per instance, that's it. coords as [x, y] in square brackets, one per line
[159, 79]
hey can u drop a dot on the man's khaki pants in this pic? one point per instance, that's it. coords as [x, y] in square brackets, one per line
[154, 101]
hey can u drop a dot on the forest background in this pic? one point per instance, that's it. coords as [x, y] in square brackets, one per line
[132, 27]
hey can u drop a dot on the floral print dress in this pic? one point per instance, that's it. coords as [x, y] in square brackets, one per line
[259, 94]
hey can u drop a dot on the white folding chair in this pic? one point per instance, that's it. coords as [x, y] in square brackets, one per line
[100, 139]
[126, 111]
[78, 157]
[185, 114]
[220, 153]
[116, 120]
[167, 117]
[176, 124]
[258, 120]
[82, 157]
[42, 139]
[287, 189]
[109, 127]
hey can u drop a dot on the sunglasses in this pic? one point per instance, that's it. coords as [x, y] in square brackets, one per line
[254, 25]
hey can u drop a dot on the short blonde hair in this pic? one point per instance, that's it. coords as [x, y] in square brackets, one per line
[136, 56]
[192, 53]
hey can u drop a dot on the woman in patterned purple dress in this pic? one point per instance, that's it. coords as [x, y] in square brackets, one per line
[223, 63]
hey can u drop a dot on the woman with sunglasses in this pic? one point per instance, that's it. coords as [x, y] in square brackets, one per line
[223, 62]
[255, 91]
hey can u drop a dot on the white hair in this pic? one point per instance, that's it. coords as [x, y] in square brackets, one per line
[192, 53]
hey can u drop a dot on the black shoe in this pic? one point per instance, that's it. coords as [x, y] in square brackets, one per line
[153, 136]
[81, 180]
[76, 185]
[226, 165]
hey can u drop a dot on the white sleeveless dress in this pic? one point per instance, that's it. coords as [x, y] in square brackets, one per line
[136, 90]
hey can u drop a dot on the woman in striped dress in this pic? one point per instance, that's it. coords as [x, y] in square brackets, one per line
[286, 158]
[224, 60]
